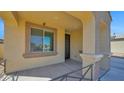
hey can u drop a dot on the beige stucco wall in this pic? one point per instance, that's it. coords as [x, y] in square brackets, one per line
[1, 50]
[117, 47]
[76, 44]
[15, 48]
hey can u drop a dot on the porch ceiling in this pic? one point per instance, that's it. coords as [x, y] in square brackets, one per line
[60, 19]
[83, 16]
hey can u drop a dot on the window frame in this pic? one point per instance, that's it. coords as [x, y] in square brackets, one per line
[28, 53]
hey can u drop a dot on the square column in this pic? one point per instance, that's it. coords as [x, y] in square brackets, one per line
[91, 49]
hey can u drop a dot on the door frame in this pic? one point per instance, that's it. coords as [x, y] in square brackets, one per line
[69, 46]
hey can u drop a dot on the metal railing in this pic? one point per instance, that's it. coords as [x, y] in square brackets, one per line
[2, 67]
[3, 75]
[66, 76]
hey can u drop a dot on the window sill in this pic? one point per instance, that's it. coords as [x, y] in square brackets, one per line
[34, 55]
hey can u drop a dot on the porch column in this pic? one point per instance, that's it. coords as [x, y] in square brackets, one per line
[91, 49]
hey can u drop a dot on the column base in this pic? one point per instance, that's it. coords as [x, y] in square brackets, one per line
[92, 59]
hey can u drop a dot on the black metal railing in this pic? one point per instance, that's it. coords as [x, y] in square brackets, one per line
[3, 75]
[69, 75]
[2, 68]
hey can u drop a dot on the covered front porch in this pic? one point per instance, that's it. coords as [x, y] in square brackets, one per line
[40, 40]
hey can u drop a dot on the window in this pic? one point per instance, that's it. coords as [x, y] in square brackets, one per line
[36, 42]
[40, 41]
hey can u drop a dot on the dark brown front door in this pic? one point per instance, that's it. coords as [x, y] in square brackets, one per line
[67, 46]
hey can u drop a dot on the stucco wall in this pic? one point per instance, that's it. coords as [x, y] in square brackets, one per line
[1, 50]
[117, 47]
[15, 48]
[76, 44]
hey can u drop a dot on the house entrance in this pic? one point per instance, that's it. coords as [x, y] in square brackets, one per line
[67, 46]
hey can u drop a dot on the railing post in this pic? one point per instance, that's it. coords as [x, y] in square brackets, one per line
[13, 78]
[5, 66]
[66, 77]
[92, 72]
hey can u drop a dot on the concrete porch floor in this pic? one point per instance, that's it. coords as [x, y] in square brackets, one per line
[51, 71]
[116, 72]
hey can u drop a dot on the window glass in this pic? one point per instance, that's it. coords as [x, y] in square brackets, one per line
[36, 43]
[48, 41]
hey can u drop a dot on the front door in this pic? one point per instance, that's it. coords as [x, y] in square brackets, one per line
[67, 46]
